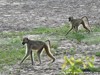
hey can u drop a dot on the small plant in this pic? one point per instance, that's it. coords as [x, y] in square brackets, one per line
[73, 66]
[97, 54]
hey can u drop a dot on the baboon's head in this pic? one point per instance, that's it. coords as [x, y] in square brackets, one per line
[70, 18]
[25, 40]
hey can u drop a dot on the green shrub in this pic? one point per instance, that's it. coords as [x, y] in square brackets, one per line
[72, 66]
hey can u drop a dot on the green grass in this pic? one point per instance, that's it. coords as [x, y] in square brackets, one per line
[10, 56]
[61, 31]
[41, 30]
[11, 51]
[92, 40]
[78, 36]
[96, 28]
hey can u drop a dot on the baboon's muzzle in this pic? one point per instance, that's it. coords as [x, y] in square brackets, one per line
[23, 43]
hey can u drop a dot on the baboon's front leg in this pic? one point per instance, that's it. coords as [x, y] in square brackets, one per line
[24, 58]
[69, 30]
[32, 58]
[27, 54]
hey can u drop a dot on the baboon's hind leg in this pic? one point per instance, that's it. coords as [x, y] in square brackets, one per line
[49, 53]
[85, 27]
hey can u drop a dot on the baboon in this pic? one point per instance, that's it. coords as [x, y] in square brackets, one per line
[76, 22]
[36, 45]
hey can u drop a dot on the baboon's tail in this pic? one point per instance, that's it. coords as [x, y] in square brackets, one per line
[49, 53]
[85, 19]
[49, 43]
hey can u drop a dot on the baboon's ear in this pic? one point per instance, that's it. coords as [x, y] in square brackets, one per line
[26, 38]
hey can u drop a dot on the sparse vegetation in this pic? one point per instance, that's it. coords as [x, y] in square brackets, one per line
[78, 36]
[11, 50]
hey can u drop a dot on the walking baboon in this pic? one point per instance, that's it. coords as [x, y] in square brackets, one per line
[36, 45]
[76, 22]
